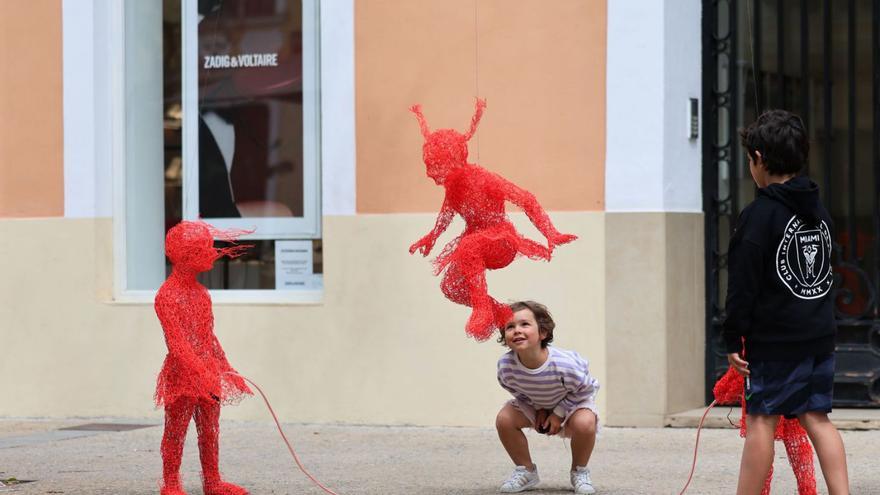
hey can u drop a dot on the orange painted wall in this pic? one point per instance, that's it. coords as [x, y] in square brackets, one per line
[31, 125]
[540, 65]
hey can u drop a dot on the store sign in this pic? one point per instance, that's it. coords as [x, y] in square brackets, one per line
[244, 60]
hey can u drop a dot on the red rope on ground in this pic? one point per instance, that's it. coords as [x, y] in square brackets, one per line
[696, 446]
[283, 436]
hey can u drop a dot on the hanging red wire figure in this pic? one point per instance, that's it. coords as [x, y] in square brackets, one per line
[193, 382]
[729, 390]
[489, 241]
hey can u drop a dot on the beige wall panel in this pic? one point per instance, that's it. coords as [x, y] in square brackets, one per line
[635, 293]
[31, 128]
[686, 311]
[540, 65]
[385, 347]
[655, 324]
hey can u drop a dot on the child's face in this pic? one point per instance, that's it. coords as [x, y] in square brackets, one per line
[522, 332]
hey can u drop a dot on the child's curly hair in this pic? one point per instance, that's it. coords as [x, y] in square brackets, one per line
[542, 317]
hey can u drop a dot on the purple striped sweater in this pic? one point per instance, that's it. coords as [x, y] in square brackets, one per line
[562, 383]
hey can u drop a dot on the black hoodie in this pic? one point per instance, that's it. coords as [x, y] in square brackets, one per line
[779, 283]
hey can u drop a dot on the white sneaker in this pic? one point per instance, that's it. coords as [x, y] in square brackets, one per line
[580, 480]
[522, 479]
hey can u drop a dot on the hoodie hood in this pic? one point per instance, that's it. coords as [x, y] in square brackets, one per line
[800, 194]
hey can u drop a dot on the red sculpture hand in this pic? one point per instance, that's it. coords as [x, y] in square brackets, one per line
[424, 245]
[558, 239]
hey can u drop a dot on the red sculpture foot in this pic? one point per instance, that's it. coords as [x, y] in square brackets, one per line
[503, 314]
[175, 489]
[223, 488]
[481, 324]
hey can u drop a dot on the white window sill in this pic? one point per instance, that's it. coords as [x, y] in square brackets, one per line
[233, 297]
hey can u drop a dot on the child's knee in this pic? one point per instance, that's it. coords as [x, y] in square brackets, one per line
[813, 418]
[508, 418]
[582, 422]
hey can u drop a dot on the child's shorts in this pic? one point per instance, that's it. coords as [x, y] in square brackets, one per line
[790, 388]
[530, 413]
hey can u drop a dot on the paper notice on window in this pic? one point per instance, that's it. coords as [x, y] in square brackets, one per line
[293, 265]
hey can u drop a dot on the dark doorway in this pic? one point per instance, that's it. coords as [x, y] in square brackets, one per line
[819, 59]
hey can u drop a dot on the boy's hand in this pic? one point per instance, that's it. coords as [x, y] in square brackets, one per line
[553, 424]
[739, 364]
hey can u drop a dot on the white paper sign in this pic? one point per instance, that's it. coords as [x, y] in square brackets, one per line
[293, 265]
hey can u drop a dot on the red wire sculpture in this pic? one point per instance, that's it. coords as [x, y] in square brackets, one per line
[194, 381]
[489, 241]
[729, 390]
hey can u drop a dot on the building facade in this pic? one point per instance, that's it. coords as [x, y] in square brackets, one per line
[591, 106]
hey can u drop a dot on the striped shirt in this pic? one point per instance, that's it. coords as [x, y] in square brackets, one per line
[562, 383]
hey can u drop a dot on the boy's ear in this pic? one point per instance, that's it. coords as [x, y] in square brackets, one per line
[759, 159]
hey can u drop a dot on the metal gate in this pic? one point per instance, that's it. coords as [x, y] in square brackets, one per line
[820, 59]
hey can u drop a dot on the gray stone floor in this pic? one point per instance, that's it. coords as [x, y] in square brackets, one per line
[387, 460]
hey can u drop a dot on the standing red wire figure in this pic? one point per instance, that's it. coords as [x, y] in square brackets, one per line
[729, 389]
[489, 241]
[194, 380]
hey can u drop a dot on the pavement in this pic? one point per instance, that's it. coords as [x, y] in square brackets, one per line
[392, 460]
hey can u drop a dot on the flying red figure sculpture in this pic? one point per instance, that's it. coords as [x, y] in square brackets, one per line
[729, 389]
[196, 377]
[489, 241]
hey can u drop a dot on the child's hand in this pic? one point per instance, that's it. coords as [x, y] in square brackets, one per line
[540, 419]
[552, 424]
[739, 364]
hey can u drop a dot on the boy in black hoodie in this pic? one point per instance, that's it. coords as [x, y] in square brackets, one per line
[780, 312]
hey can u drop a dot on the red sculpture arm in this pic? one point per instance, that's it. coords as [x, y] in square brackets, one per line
[529, 204]
[426, 243]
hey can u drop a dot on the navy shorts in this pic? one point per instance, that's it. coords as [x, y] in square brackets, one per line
[790, 388]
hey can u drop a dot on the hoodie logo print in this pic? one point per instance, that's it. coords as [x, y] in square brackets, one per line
[803, 259]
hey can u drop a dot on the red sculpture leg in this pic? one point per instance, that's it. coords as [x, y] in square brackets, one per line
[454, 287]
[532, 249]
[800, 456]
[207, 416]
[177, 416]
[481, 324]
[766, 490]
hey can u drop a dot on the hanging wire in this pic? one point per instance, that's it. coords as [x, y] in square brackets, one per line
[476, 68]
[752, 55]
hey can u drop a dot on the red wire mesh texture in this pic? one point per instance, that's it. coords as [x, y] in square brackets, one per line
[195, 379]
[489, 241]
[729, 390]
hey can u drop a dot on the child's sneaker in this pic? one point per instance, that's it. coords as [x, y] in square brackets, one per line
[521, 479]
[580, 480]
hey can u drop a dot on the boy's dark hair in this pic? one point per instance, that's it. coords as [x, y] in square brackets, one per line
[781, 139]
[542, 318]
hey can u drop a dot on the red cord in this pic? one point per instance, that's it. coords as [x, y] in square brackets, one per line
[696, 446]
[283, 436]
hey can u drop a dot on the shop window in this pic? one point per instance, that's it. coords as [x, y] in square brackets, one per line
[238, 93]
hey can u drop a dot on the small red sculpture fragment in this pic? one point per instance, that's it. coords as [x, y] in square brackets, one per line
[489, 241]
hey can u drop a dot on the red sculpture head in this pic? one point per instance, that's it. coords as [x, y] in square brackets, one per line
[190, 245]
[445, 149]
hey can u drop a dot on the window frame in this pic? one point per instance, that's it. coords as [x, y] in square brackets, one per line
[270, 228]
[112, 69]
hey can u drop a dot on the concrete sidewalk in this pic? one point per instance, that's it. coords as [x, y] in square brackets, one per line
[386, 460]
